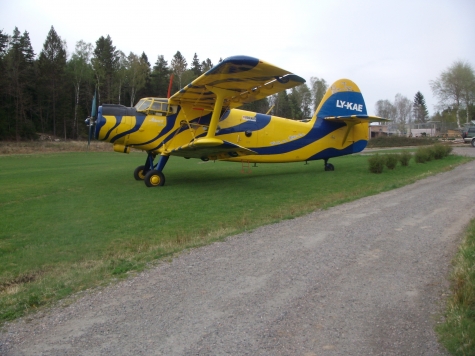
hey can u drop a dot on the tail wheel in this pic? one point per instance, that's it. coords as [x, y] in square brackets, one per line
[139, 173]
[329, 167]
[154, 178]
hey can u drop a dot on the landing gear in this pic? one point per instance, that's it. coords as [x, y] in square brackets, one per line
[154, 178]
[151, 174]
[139, 173]
[328, 166]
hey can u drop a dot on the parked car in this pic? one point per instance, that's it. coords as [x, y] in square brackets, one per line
[468, 135]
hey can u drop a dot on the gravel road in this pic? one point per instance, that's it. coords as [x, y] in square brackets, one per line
[364, 278]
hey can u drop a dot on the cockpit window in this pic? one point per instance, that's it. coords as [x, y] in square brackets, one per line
[144, 105]
[158, 106]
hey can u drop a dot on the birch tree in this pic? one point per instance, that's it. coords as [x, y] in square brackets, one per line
[81, 73]
[455, 87]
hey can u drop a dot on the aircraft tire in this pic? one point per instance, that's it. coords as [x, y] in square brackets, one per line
[139, 173]
[329, 167]
[154, 178]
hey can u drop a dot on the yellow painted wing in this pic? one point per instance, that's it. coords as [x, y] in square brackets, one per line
[245, 78]
[211, 148]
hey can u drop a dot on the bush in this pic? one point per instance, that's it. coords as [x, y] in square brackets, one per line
[422, 155]
[404, 158]
[391, 160]
[439, 151]
[447, 150]
[376, 163]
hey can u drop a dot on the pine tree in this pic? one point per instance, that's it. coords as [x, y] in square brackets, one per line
[160, 77]
[196, 66]
[419, 108]
[19, 77]
[52, 67]
[206, 65]
[105, 62]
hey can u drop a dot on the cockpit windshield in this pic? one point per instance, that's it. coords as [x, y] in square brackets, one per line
[156, 106]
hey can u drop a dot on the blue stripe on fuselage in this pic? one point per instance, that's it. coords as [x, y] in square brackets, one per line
[333, 152]
[138, 122]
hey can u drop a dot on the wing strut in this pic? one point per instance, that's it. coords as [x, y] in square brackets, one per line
[221, 95]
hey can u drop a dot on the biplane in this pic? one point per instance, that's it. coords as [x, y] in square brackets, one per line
[203, 121]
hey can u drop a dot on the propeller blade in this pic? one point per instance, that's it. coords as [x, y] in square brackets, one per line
[91, 121]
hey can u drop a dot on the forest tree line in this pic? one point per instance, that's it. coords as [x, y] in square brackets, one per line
[51, 93]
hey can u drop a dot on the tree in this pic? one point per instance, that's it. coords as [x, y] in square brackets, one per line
[301, 102]
[206, 65]
[281, 104]
[318, 87]
[80, 71]
[403, 111]
[19, 77]
[386, 110]
[260, 106]
[52, 67]
[178, 65]
[196, 66]
[137, 72]
[419, 108]
[455, 87]
[146, 90]
[105, 62]
[160, 77]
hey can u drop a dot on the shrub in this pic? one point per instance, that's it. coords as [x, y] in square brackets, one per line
[422, 155]
[391, 160]
[376, 163]
[404, 158]
[448, 150]
[439, 151]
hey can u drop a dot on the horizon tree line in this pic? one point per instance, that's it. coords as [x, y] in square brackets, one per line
[51, 93]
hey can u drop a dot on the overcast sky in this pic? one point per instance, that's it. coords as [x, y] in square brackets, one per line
[385, 47]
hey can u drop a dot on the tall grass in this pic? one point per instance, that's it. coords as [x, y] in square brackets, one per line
[457, 332]
[72, 221]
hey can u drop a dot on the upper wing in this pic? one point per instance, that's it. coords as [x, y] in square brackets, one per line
[246, 78]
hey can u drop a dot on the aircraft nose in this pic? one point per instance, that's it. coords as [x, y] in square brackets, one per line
[100, 122]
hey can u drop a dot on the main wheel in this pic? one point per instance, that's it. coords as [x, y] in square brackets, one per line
[473, 142]
[329, 167]
[154, 178]
[139, 173]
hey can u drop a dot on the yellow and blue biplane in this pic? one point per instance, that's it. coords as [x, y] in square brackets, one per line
[202, 121]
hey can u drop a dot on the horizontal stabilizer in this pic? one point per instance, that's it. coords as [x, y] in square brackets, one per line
[352, 120]
[211, 148]
[356, 119]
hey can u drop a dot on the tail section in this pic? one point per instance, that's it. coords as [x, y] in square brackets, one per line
[343, 98]
[342, 120]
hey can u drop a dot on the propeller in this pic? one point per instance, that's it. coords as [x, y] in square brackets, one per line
[91, 120]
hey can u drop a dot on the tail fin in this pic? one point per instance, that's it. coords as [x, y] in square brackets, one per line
[343, 98]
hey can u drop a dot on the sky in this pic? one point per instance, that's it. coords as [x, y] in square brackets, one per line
[385, 46]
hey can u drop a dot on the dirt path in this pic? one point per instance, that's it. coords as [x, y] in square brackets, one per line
[363, 278]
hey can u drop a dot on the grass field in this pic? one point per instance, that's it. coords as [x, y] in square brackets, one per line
[457, 331]
[72, 221]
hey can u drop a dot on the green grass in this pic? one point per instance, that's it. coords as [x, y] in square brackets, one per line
[457, 332]
[72, 221]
